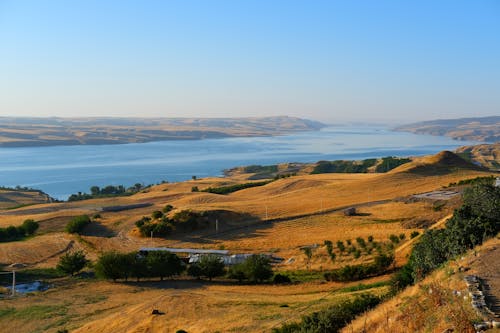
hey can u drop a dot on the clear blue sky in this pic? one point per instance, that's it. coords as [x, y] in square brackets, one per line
[326, 60]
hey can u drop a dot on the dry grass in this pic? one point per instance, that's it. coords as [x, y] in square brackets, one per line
[429, 306]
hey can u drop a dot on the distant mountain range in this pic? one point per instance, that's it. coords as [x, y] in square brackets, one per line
[23, 132]
[484, 129]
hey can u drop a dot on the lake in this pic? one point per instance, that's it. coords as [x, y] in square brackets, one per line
[63, 170]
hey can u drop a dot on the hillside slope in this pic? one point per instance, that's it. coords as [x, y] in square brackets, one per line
[485, 129]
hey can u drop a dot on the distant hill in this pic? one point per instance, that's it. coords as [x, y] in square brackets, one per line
[441, 163]
[487, 155]
[11, 198]
[21, 132]
[485, 129]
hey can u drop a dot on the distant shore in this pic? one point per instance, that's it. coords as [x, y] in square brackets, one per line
[44, 132]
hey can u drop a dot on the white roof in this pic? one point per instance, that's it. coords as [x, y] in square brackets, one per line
[191, 251]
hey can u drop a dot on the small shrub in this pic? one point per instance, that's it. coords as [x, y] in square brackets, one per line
[77, 224]
[414, 234]
[167, 209]
[281, 279]
[195, 189]
[393, 238]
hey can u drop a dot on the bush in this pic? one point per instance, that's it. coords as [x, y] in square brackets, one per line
[281, 279]
[414, 234]
[195, 189]
[393, 238]
[29, 226]
[77, 224]
[71, 263]
[167, 209]
[157, 214]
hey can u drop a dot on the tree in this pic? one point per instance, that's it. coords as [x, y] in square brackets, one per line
[138, 266]
[308, 252]
[29, 226]
[237, 272]
[163, 264]
[195, 270]
[71, 263]
[112, 265]
[95, 190]
[484, 200]
[211, 266]
[257, 268]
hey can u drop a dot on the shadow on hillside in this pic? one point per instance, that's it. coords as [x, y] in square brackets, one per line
[244, 229]
[96, 229]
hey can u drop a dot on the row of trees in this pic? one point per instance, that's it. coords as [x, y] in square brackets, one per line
[12, 233]
[163, 264]
[107, 191]
[475, 221]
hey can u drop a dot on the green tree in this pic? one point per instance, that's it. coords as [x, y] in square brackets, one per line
[113, 265]
[29, 226]
[163, 264]
[72, 262]
[484, 200]
[308, 253]
[257, 268]
[138, 266]
[211, 266]
[195, 270]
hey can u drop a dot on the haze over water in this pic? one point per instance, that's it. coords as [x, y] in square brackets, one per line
[63, 170]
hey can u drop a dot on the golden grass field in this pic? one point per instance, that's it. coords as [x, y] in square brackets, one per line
[284, 215]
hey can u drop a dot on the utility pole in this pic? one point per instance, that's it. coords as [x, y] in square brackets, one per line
[13, 283]
[151, 239]
[216, 226]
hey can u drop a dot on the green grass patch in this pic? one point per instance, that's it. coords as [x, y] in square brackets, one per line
[234, 188]
[363, 286]
[304, 276]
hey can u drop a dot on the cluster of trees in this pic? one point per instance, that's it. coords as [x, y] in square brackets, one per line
[161, 225]
[107, 191]
[390, 162]
[379, 266]
[260, 168]
[332, 319]
[162, 264]
[473, 181]
[475, 221]
[234, 188]
[12, 233]
[77, 224]
[340, 166]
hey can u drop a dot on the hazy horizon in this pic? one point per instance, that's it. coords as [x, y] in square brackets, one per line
[330, 61]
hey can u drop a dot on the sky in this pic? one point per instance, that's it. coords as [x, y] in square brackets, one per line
[395, 61]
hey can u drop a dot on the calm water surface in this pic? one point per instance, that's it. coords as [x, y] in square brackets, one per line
[63, 170]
